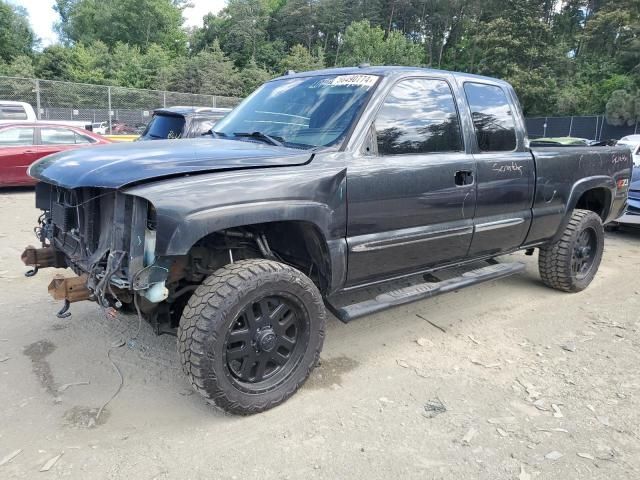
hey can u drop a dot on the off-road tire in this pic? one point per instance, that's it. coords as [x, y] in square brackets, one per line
[213, 309]
[554, 260]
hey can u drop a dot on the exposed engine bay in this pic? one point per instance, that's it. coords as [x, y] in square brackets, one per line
[108, 239]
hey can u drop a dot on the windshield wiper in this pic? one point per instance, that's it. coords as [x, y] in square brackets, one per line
[277, 141]
[214, 134]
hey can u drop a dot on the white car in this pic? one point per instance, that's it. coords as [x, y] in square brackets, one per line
[22, 112]
[100, 128]
[633, 142]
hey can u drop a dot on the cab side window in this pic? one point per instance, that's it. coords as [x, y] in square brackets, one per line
[418, 116]
[492, 117]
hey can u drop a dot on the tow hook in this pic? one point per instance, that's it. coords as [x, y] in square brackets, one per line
[69, 289]
[32, 272]
[41, 258]
[64, 311]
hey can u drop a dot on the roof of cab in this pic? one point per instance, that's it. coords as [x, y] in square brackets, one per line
[13, 103]
[389, 71]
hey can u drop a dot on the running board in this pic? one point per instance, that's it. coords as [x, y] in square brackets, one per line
[421, 291]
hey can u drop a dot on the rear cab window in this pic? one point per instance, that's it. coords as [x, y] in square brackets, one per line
[492, 117]
[12, 112]
[164, 126]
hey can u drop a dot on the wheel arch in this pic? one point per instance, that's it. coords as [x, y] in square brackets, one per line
[598, 200]
[591, 193]
[302, 242]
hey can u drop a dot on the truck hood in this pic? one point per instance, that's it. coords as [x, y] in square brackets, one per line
[120, 164]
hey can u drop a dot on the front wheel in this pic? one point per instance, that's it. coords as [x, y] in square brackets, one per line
[251, 334]
[571, 263]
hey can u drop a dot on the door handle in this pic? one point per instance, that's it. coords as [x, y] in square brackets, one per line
[30, 151]
[464, 177]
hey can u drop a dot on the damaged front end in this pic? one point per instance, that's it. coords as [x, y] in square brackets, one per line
[108, 239]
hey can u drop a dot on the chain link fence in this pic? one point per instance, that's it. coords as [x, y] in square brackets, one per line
[591, 127]
[124, 110]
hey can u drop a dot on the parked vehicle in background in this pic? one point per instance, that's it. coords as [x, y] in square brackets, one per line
[182, 122]
[633, 142]
[100, 127]
[121, 128]
[632, 215]
[319, 184]
[23, 143]
[22, 112]
[122, 138]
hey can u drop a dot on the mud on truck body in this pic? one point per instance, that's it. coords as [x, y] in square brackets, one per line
[318, 184]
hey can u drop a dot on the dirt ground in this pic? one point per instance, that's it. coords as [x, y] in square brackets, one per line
[507, 380]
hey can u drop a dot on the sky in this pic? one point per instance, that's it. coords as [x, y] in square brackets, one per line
[42, 16]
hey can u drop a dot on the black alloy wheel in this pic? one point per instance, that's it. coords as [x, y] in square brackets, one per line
[584, 253]
[265, 343]
[251, 334]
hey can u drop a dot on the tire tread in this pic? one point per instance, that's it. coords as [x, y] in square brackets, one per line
[554, 260]
[205, 311]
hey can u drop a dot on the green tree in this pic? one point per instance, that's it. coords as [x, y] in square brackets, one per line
[519, 47]
[299, 59]
[270, 54]
[240, 28]
[622, 108]
[295, 23]
[364, 43]
[138, 23]
[126, 66]
[16, 36]
[252, 76]
[89, 63]
[20, 66]
[158, 67]
[209, 71]
[53, 62]
[332, 20]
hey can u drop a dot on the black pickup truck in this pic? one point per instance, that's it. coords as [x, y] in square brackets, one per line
[319, 183]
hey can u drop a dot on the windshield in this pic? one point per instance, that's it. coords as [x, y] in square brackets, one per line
[304, 112]
[162, 127]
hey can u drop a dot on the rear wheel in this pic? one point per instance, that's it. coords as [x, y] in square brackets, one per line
[251, 334]
[571, 263]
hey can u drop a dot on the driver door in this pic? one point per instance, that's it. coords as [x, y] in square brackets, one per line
[411, 196]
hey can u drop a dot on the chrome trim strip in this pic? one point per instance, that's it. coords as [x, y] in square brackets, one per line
[410, 239]
[509, 222]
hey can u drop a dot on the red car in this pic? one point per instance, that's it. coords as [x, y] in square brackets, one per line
[21, 144]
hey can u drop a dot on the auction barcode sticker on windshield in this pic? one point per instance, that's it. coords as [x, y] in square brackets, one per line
[348, 80]
[360, 80]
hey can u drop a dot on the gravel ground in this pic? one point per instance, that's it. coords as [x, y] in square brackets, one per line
[504, 380]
